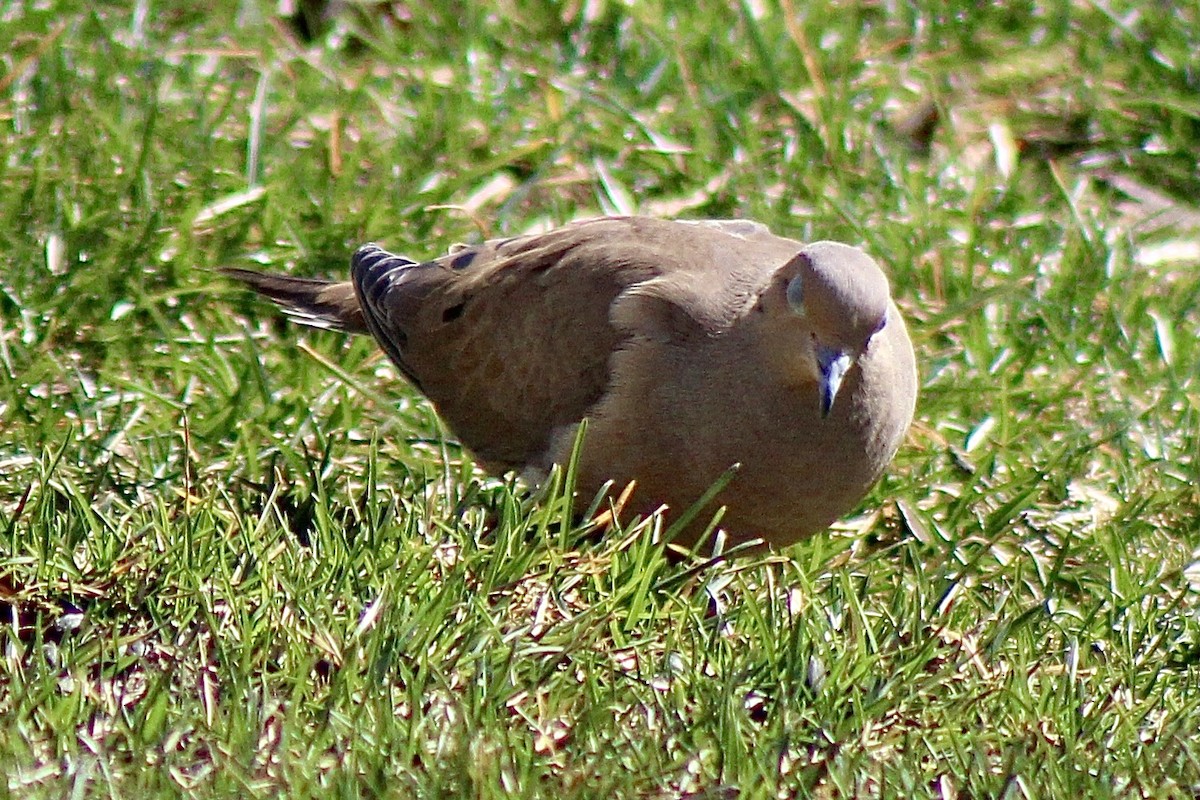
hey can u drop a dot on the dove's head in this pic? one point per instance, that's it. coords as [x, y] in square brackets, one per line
[842, 298]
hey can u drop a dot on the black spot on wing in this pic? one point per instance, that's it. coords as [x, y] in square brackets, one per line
[463, 258]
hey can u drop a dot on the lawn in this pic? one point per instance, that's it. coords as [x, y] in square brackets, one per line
[239, 558]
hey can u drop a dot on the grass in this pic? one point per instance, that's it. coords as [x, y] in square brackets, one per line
[239, 559]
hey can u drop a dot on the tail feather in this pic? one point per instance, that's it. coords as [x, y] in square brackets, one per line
[320, 304]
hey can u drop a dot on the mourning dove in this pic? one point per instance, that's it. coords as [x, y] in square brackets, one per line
[690, 347]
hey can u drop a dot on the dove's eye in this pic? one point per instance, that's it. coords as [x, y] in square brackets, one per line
[795, 295]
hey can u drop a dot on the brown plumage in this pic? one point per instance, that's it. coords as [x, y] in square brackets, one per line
[689, 346]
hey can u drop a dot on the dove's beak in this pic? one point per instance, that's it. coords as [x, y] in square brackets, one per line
[832, 365]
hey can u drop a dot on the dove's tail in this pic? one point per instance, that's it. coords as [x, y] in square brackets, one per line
[321, 304]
